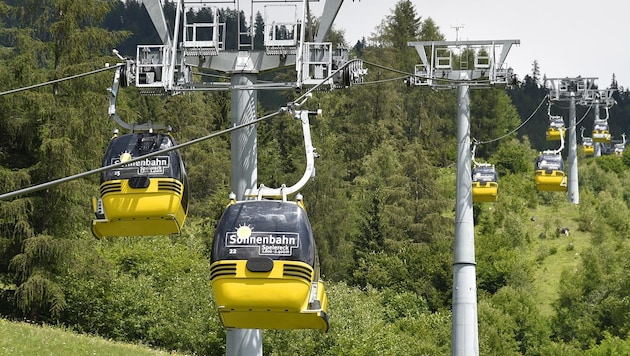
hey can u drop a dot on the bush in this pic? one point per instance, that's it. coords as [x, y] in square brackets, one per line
[360, 325]
[153, 290]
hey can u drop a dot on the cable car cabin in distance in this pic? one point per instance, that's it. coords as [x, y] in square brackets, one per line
[555, 129]
[144, 198]
[485, 185]
[601, 131]
[587, 146]
[549, 173]
[264, 268]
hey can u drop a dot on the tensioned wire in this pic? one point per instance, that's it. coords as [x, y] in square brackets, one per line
[290, 107]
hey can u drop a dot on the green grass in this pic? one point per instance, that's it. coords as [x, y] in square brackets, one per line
[26, 339]
[552, 254]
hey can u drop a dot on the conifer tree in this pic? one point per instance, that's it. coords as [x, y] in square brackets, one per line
[59, 131]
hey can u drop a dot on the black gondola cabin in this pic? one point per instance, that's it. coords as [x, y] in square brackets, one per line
[264, 268]
[143, 198]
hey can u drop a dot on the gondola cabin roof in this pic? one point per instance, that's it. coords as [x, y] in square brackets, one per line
[484, 173]
[556, 123]
[134, 145]
[276, 229]
[600, 126]
[550, 162]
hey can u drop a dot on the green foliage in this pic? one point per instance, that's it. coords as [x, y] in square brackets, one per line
[530, 330]
[492, 116]
[36, 269]
[610, 164]
[611, 345]
[50, 134]
[500, 263]
[513, 157]
[593, 305]
[381, 203]
[399, 28]
[359, 327]
[588, 215]
[153, 290]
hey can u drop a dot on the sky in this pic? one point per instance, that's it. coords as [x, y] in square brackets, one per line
[568, 38]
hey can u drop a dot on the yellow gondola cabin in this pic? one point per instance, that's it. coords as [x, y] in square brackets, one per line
[485, 185]
[587, 146]
[143, 198]
[264, 268]
[556, 128]
[601, 131]
[549, 173]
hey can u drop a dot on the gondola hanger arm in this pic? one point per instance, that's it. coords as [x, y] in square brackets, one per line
[561, 144]
[309, 171]
[474, 149]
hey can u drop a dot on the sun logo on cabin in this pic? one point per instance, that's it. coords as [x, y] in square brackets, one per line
[244, 231]
[125, 156]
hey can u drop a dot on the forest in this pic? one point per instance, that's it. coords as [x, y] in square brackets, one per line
[381, 204]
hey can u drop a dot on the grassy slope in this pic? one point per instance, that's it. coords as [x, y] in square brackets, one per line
[549, 255]
[552, 254]
[27, 339]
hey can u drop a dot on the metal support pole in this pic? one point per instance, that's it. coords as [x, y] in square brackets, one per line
[597, 147]
[573, 186]
[244, 342]
[464, 330]
[243, 142]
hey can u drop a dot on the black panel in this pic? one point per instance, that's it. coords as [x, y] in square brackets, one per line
[139, 182]
[260, 264]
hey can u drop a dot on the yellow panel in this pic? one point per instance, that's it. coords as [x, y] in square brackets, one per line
[589, 150]
[145, 227]
[553, 134]
[485, 193]
[274, 320]
[601, 136]
[554, 182]
[261, 291]
[140, 211]
[267, 300]
[150, 202]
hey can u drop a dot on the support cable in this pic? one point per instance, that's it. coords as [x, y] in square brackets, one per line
[518, 127]
[583, 116]
[290, 107]
[61, 79]
[106, 168]
[382, 81]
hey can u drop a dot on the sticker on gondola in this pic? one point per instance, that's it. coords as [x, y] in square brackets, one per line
[268, 243]
[149, 166]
